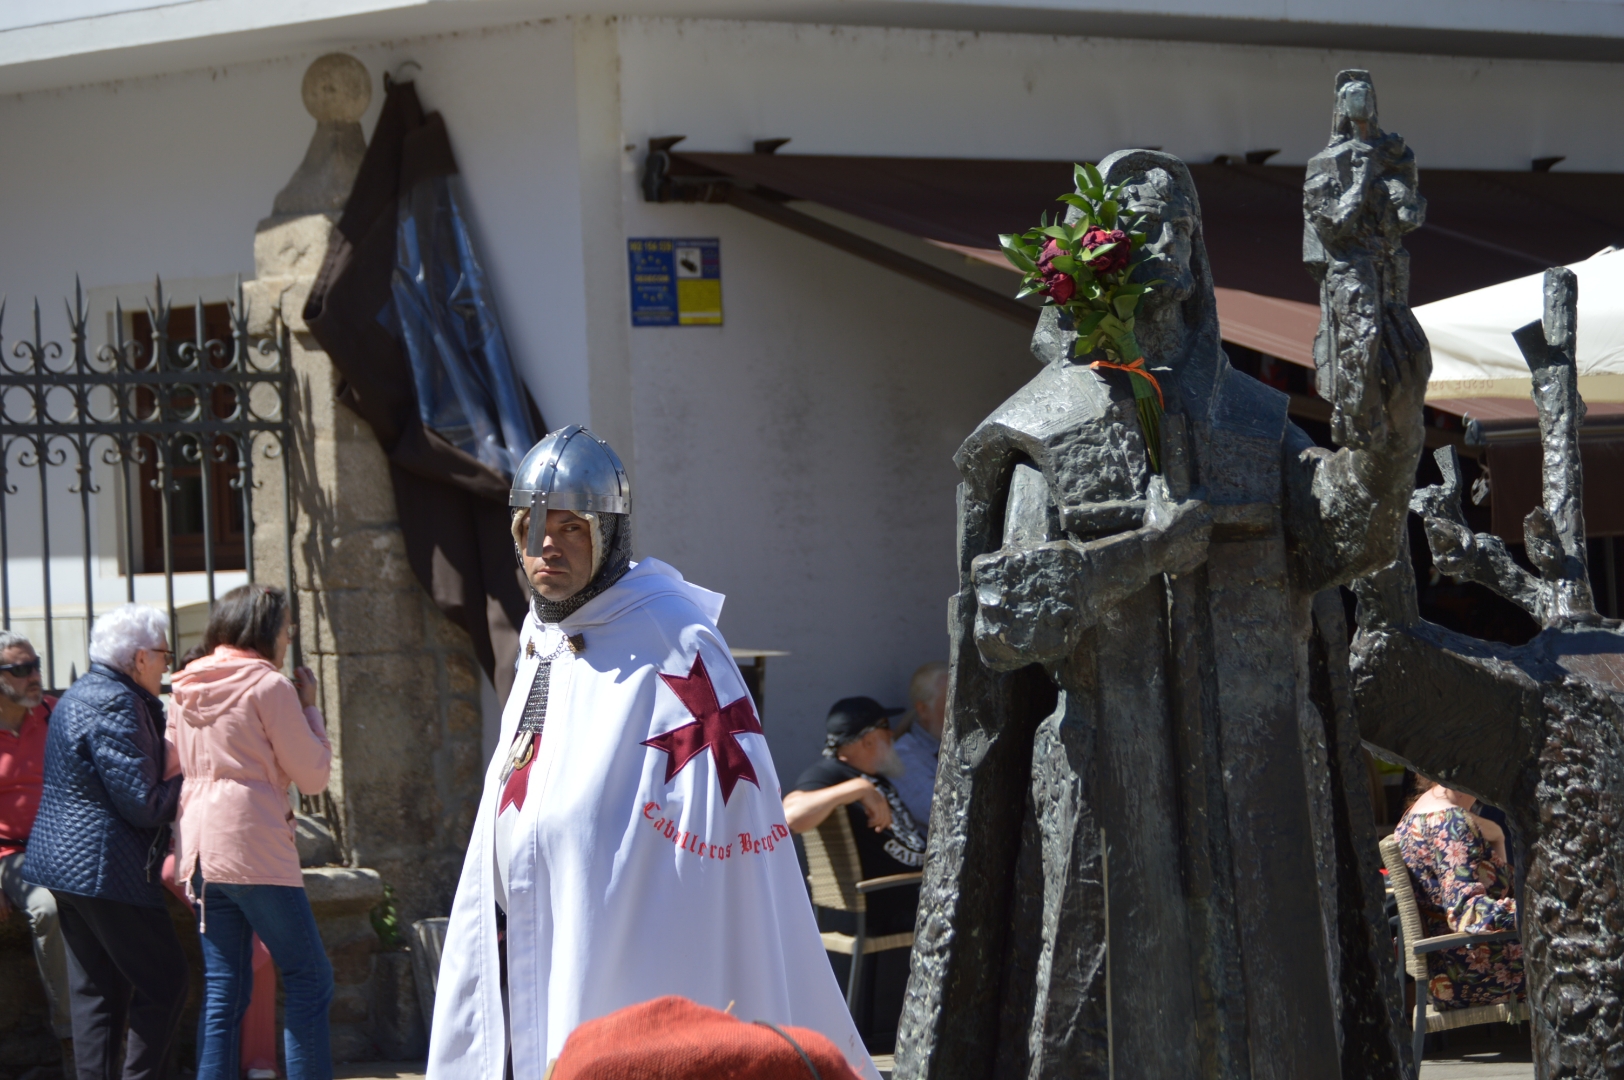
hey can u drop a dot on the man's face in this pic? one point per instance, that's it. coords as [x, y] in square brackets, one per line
[25, 690]
[565, 565]
[1170, 229]
[872, 753]
[932, 712]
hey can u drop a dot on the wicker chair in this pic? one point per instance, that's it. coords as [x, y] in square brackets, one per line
[1416, 947]
[836, 877]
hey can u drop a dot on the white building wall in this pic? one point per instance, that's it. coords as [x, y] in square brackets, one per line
[916, 93]
[797, 458]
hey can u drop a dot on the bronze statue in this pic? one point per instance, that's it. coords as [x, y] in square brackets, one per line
[1537, 730]
[1359, 200]
[1151, 851]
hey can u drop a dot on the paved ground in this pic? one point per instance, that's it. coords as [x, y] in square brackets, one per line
[1460, 1062]
[379, 1070]
[1484, 1065]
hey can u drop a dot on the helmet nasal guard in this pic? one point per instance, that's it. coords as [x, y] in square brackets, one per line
[570, 469]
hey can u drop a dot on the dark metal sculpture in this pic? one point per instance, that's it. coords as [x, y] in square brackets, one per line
[1151, 848]
[1537, 730]
[1359, 200]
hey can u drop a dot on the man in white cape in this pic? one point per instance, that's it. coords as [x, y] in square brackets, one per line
[631, 834]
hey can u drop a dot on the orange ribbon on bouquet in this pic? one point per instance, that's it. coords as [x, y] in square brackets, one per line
[1135, 368]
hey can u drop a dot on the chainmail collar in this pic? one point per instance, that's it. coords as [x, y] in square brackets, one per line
[617, 560]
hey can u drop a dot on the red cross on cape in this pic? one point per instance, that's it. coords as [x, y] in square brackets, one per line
[714, 726]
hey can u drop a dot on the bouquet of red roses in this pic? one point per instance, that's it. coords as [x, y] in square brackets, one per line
[1085, 267]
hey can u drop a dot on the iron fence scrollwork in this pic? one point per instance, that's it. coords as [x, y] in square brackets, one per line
[176, 421]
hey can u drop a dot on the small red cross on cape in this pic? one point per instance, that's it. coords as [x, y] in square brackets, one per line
[713, 726]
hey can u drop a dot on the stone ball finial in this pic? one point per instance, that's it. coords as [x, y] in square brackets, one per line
[336, 91]
[336, 87]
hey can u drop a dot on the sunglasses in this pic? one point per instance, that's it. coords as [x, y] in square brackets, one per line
[21, 671]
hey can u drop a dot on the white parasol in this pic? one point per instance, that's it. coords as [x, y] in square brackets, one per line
[1473, 355]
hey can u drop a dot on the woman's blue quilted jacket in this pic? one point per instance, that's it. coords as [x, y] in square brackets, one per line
[103, 824]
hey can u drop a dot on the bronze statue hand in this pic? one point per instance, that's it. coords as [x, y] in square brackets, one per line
[1033, 604]
[1176, 534]
[1026, 604]
[1452, 546]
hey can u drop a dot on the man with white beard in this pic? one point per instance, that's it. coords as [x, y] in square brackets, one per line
[859, 760]
[630, 842]
[854, 778]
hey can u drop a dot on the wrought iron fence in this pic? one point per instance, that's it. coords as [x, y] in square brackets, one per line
[175, 422]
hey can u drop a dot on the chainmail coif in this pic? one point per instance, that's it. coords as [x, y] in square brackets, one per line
[617, 557]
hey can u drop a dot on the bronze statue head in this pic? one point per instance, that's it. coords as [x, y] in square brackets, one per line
[1354, 116]
[1179, 318]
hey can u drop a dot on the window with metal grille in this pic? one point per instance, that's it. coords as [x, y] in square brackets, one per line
[186, 508]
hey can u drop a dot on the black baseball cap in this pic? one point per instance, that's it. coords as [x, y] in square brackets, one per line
[853, 717]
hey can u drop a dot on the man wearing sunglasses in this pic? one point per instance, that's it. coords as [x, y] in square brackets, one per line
[856, 776]
[24, 711]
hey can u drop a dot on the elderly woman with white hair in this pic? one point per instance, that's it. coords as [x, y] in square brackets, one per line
[99, 842]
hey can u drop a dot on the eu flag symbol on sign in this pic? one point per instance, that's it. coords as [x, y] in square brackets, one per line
[675, 282]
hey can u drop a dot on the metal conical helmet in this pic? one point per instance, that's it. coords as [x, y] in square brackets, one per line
[570, 469]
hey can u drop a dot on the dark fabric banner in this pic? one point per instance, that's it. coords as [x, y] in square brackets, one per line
[453, 507]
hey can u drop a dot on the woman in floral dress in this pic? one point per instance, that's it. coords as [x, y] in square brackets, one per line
[1459, 862]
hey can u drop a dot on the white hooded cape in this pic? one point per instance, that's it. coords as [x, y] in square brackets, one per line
[623, 886]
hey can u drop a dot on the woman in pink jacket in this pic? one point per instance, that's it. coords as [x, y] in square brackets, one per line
[244, 732]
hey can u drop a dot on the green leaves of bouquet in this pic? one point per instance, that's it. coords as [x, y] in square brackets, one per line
[1085, 267]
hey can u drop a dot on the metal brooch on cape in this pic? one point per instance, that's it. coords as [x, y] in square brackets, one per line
[576, 643]
[530, 647]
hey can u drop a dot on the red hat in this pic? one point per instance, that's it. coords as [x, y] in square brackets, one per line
[671, 1038]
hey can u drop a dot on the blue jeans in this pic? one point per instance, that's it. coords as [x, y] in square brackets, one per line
[281, 916]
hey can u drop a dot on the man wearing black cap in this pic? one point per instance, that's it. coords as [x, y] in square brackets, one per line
[858, 762]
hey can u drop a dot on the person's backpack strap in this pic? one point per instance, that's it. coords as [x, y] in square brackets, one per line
[813, 1069]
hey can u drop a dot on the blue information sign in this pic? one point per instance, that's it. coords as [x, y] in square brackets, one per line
[675, 282]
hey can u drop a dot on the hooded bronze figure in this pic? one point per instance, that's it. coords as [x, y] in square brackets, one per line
[1151, 850]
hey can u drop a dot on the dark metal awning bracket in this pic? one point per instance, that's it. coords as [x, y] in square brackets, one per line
[668, 177]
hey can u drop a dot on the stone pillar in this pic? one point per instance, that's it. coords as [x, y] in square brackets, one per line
[399, 682]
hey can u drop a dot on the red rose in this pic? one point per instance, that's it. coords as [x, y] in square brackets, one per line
[1113, 260]
[1057, 286]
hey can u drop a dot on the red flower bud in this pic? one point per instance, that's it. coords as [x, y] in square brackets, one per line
[1057, 286]
[1113, 260]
